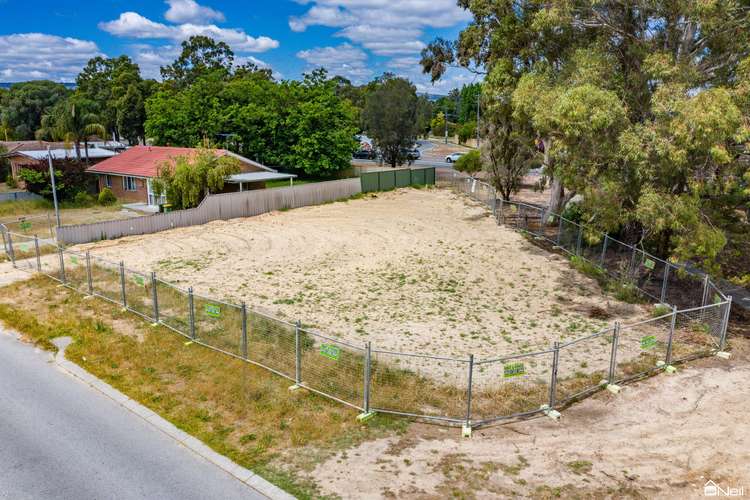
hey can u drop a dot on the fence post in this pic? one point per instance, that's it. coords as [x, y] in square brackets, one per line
[11, 253]
[297, 354]
[559, 230]
[579, 241]
[38, 254]
[122, 285]
[155, 298]
[62, 265]
[613, 354]
[665, 285]
[368, 368]
[89, 276]
[631, 269]
[502, 211]
[243, 313]
[705, 291]
[191, 307]
[725, 326]
[494, 204]
[673, 323]
[553, 381]
[467, 424]
[604, 251]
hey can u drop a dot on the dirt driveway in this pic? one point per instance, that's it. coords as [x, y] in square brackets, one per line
[660, 438]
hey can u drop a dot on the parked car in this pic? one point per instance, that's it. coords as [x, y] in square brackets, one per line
[453, 157]
[412, 154]
[365, 154]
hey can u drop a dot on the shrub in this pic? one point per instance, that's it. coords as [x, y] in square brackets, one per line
[107, 197]
[83, 199]
[469, 163]
[11, 182]
[467, 131]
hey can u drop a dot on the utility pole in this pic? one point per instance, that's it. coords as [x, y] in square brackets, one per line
[54, 188]
[479, 102]
[446, 124]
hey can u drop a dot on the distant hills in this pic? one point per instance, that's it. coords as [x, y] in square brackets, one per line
[5, 85]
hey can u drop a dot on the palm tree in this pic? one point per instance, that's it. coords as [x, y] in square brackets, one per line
[72, 121]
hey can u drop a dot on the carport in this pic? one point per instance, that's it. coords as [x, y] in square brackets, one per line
[256, 177]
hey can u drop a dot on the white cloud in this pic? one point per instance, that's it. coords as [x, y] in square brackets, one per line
[189, 11]
[344, 60]
[134, 25]
[390, 28]
[385, 27]
[26, 56]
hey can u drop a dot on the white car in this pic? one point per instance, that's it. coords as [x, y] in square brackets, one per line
[453, 157]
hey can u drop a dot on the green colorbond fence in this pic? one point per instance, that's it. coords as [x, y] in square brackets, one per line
[391, 179]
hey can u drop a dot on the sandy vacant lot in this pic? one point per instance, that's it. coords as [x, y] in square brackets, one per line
[412, 270]
[661, 438]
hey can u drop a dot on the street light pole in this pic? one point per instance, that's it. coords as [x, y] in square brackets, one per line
[54, 187]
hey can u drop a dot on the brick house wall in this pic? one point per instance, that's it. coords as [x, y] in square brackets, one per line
[140, 195]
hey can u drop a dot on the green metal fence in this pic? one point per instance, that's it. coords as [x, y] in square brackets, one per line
[385, 180]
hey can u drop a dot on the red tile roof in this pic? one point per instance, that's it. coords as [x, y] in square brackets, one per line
[144, 161]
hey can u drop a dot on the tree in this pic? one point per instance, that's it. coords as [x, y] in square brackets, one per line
[469, 101]
[470, 163]
[72, 120]
[390, 118]
[638, 106]
[424, 116]
[70, 179]
[200, 55]
[187, 180]
[24, 104]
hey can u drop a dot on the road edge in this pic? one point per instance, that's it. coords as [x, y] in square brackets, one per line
[192, 443]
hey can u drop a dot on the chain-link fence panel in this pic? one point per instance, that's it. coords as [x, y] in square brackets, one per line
[332, 367]
[30, 225]
[642, 347]
[568, 235]
[592, 246]
[76, 271]
[219, 325]
[685, 288]
[618, 258]
[271, 343]
[23, 251]
[174, 307]
[419, 385]
[139, 293]
[584, 365]
[511, 386]
[105, 279]
[698, 331]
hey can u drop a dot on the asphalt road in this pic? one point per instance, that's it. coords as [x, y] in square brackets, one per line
[61, 439]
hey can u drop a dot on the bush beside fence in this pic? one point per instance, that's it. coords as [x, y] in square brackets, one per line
[464, 391]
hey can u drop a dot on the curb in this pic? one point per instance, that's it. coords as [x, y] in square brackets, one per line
[240, 473]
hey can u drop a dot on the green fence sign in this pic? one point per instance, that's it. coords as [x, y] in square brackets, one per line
[213, 310]
[74, 259]
[330, 351]
[513, 370]
[648, 342]
[649, 264]
[25, 225]
[25, 247]
[139, 280]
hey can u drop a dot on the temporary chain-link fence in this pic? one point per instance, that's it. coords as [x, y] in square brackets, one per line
[466, 390]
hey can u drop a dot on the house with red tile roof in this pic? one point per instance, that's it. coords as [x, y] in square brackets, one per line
[130, 174]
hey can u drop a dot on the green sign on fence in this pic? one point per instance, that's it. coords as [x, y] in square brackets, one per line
[25, 247]
[213, 310]
[649, 264]
[74, 259]
[25, 225]
[514, 370]
[648, 342]
[330, 351]
[551, 219]
[138, 280]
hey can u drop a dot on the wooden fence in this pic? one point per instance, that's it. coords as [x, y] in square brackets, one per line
[214, 207]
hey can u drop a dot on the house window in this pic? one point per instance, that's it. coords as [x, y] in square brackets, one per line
[108, 181]
[129, 184]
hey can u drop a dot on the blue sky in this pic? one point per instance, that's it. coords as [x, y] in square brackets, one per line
[359, 39]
